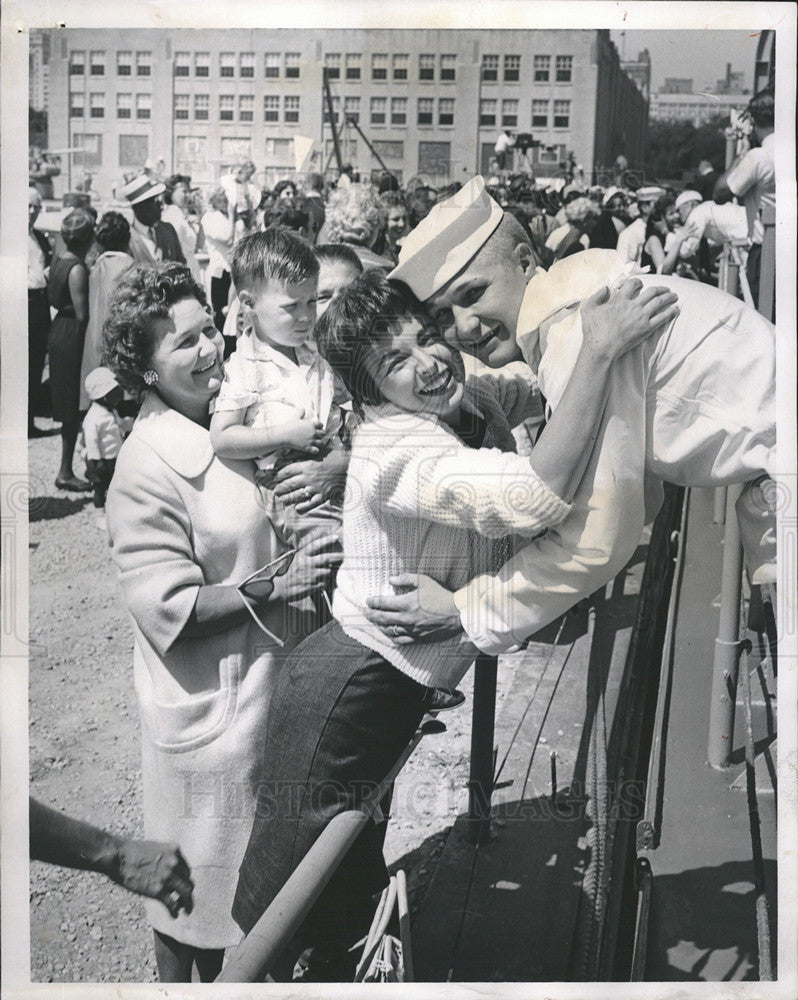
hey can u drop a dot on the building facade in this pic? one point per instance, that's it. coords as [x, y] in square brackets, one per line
[430, 102]
[38, 70]
[697, 108]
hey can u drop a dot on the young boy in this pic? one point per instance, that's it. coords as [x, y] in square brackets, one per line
[278, 403]
[434, 487]
[102, 434]
[694, 405]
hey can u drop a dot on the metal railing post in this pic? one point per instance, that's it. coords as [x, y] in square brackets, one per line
[480, 779]
[727, 645]
[255, 955]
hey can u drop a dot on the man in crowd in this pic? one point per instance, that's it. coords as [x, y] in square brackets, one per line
[632, 239]
[752, 175]
[151, 239]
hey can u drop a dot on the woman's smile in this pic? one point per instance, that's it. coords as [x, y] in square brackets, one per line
[438, 384]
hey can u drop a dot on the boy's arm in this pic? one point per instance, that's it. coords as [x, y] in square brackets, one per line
[232, 439]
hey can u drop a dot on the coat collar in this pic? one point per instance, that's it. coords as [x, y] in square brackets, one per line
[182, 444]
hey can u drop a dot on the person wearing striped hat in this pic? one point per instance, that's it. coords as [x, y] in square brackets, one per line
[151, 240]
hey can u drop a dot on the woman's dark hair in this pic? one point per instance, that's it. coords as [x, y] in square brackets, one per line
[338, 252]
[171, 183]
[113, 232]
[658, 212]
[280, 186]
[354, 318]
[143, 293]
[288, 214]
[393, 199]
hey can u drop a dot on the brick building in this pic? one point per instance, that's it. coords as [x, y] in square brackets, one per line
[429, 101]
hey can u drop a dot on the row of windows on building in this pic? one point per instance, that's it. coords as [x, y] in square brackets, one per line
[287, 66]
[544, 113]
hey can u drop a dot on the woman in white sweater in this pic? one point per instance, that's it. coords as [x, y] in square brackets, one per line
[434, 487]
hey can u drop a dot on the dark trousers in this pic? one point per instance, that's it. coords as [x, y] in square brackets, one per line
[99, 472]
[38, 327]
[338, 721]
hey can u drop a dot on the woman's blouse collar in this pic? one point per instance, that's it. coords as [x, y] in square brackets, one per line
[184, 445]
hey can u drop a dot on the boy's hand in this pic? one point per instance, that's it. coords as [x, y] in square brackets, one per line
[304, 434]
[613, 322]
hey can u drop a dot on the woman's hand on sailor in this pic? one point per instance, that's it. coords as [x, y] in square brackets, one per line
[422, 611]
[613, 322]
[310, 570]
[309, 483]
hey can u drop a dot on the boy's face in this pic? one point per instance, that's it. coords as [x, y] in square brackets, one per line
[477, 310]
[416, 370]
[282, 314]
[333, 276]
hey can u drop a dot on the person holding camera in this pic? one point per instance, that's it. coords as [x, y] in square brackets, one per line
[751, 178]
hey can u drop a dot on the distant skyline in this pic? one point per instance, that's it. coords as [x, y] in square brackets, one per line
[698, 54]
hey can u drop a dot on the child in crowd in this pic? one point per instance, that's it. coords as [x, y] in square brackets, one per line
[434, 487]
[278, 402]
[693, 405]
[339, 266]
[102, 434]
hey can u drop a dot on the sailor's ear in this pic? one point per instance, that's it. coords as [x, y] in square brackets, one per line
[522, 254]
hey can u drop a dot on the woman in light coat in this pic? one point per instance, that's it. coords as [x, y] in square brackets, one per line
[186, 529]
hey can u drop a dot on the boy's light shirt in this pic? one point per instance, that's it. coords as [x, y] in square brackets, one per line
[274, 389]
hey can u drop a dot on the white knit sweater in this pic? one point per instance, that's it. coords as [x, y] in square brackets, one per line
[418, 500]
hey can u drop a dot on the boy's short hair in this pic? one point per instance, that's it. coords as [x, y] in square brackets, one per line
[340, 253]
[352, 321]
[274, 254]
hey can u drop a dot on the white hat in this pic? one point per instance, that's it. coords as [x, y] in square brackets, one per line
[142, 188]
[649, 193]
[446, 240]
[610, 193]
[99, 383]
[686, 196]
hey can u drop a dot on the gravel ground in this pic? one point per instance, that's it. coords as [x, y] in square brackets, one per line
[85, 745]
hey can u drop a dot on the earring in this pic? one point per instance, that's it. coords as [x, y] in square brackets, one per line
[150, 377]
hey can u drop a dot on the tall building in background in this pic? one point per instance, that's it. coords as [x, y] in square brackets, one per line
[38, 70]
[639, 70]
[429, 101]
[677, 100]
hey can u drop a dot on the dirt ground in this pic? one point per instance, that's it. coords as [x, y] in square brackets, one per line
[85, 745]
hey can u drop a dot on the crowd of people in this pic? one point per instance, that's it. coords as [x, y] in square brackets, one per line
[320, 515]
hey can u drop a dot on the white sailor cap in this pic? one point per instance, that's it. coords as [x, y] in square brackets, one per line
[686, 196]
[446, 240]
[649, 193]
